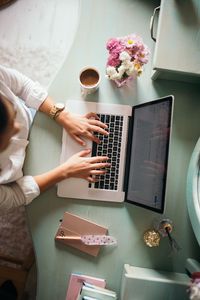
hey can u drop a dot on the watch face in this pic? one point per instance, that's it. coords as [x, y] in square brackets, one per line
[60, 105]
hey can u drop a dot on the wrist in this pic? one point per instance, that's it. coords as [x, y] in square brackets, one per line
[62, 172]
[63, 118]
[50, 178]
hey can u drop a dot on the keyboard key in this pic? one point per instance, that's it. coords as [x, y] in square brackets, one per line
[102, 118]
[107, 120]
[101, 184]
[96, 185]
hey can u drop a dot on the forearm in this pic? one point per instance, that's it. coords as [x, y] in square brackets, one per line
[46, 106]
[50, 178]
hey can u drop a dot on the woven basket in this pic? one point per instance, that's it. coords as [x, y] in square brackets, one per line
[5, 2]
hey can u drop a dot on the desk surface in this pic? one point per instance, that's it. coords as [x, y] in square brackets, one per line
[100, 20]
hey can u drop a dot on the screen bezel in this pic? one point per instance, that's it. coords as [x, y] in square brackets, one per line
[169, 98]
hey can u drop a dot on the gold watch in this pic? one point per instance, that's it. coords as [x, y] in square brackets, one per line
[56, 109]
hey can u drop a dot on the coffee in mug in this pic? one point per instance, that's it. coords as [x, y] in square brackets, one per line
[89, 79]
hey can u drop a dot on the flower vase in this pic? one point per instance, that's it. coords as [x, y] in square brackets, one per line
[123, 82]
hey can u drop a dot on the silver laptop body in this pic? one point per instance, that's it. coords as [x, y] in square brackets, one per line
[79, 188]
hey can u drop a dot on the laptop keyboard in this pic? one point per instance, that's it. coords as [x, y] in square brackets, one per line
[110, 146]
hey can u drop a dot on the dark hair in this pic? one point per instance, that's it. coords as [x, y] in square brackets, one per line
[3, 115]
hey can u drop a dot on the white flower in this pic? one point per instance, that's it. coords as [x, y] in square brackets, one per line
[112, 73]
[121, 70]
[124, 56]
[127, 64]
[116, 76]
[131, 70]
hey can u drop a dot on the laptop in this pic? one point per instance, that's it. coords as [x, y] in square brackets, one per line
[137, 146]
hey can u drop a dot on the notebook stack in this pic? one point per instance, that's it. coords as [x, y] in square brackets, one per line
[88, 288]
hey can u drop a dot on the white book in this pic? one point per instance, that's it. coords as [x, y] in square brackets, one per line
[96, 292]
[89, 298]
[93, 286]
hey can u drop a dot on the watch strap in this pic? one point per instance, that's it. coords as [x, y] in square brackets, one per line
[55, 111]
[52, 112]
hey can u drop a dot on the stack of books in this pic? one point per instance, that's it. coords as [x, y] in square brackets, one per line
[84, 287]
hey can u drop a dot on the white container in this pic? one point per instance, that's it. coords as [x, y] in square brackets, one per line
[177, 41]
[143, 283]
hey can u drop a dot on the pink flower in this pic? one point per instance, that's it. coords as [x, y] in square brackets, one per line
[115, 46]
[113, 60]
[112, 43]
[131, 40]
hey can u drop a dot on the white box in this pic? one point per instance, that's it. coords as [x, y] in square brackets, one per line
[177, 48]
[143, 283]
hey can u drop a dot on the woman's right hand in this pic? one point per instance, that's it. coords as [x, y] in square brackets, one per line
[81, 166]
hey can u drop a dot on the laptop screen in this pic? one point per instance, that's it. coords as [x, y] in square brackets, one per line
[148, 153]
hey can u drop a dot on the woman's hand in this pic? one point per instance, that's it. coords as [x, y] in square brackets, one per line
[81, 166]
[82, 126]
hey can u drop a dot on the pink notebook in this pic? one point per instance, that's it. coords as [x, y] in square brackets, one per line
[77, 226]
[76, 282]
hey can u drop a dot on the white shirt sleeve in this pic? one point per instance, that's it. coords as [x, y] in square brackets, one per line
[29, 187]
[17, 193]
[32, 93]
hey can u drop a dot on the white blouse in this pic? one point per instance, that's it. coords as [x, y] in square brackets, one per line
[16, 189]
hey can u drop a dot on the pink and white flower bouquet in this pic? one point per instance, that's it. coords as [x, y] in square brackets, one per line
[127, 55]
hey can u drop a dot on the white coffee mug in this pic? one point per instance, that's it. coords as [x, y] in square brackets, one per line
[89, 79]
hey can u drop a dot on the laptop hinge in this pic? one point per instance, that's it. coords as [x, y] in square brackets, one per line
[128, 152]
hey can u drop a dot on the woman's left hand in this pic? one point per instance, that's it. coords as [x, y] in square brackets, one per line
[82, 126]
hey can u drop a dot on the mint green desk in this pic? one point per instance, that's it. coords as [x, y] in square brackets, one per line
[100, 20]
